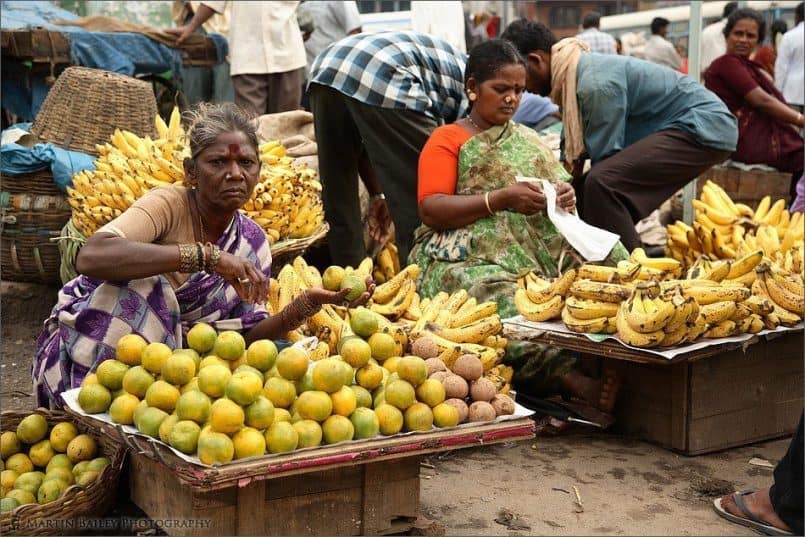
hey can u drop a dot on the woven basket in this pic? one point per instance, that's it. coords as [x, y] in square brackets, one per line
[90, 501]
[285, 251]
[85, 106]
[34, 211]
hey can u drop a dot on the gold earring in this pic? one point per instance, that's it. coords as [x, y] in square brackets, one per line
[471, 95]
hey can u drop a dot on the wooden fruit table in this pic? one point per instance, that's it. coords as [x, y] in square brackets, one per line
[714, 398]
[355, 488]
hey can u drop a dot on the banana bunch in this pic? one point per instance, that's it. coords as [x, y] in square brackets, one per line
[387, 263]
[286, 201]
[591, 306]
[785, 291]
[127, 167]
[641, 320]
[538, 299]
[395, 298]
[726, 230]
[650, 268]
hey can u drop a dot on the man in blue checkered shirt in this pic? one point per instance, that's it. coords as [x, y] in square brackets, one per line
[375, 100]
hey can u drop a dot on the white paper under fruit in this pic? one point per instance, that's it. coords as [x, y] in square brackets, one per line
[665, 352]
[70, 398]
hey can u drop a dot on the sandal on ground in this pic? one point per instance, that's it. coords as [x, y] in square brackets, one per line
[750, 520]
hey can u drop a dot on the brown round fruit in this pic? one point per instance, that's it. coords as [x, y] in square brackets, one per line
[468, 367]
[461, 406]
[425, 348]
[440, 375]
[434, 365]
[503, 405]
[481, 411]
[483, 389]
[455, 387]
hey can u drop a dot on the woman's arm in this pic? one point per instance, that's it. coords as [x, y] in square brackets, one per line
[443, 211]
[303, 307]
[772, 106]
[105, 256]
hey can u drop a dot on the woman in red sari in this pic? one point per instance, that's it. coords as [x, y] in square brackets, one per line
[767, 126]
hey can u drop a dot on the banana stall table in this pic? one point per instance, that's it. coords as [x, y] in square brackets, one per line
[365, 487]
[699, 398]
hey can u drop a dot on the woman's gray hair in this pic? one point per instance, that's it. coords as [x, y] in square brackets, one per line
[206, 121]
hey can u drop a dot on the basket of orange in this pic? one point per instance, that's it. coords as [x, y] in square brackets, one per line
[55, 472]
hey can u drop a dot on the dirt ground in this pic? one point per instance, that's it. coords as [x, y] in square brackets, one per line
[626, 487]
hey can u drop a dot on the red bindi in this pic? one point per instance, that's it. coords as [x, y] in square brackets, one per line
[234, 150]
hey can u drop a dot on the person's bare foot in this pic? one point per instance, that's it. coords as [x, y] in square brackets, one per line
[599, 393]
[759, 504]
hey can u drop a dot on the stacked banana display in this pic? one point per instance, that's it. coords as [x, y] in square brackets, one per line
[538, 299]
[456, 323]
[286, 201]
[387, 263]
[646, 303]
[127, 167]
[726, 230]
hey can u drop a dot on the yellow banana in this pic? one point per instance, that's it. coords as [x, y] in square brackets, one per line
[385, 292]
[647, 321]
[602, 292]
[485, 309]
[632, 337]
[544, 311]
[659, 263]
[717, 312]
[745, 264]
[742, 311]
[714, 214]
[675, 337]
[395, 307]
[698, 328]
[601, 325]
[590, 309]
[724, 328]
[785, 298]
[473, 333]
[710, 295]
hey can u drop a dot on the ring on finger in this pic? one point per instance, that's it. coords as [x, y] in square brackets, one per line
[244, 280]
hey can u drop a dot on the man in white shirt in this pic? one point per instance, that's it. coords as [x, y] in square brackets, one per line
[332, 21]
[599, 42]
[713, 42]
[442, 19]
[660, 50]
[788, 69]
[266, 49]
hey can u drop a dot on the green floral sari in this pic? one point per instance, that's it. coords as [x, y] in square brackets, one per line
[488, 256]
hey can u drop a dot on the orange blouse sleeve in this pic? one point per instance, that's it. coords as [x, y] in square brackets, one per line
[438, 162]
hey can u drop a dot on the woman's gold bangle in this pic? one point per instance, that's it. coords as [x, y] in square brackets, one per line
[488, 207]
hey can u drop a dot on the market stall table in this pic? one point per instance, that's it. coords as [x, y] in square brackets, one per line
[368, 487]
[716, 397]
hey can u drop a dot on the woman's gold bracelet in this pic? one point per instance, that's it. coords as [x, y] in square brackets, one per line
[488, 207]
[190, 258]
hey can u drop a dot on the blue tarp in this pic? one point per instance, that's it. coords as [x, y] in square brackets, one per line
[121, 52]
[16, 159]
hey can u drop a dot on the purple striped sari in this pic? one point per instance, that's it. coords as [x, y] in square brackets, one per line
[91, 315]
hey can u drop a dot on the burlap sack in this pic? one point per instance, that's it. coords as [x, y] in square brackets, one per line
[293, 129]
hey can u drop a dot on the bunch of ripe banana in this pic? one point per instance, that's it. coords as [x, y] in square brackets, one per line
[458, 324]
[397, 298]
[286, 201]
[127, 167]
[643, 319]
[539, 299]
[387, 263]
[592, 304]
[724, 229]
[784, 290]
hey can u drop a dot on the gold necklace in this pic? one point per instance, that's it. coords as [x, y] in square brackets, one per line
[200, 219]
[474, 124]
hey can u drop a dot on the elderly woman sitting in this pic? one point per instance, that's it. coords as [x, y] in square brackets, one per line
[767, 126]
[177, 257]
